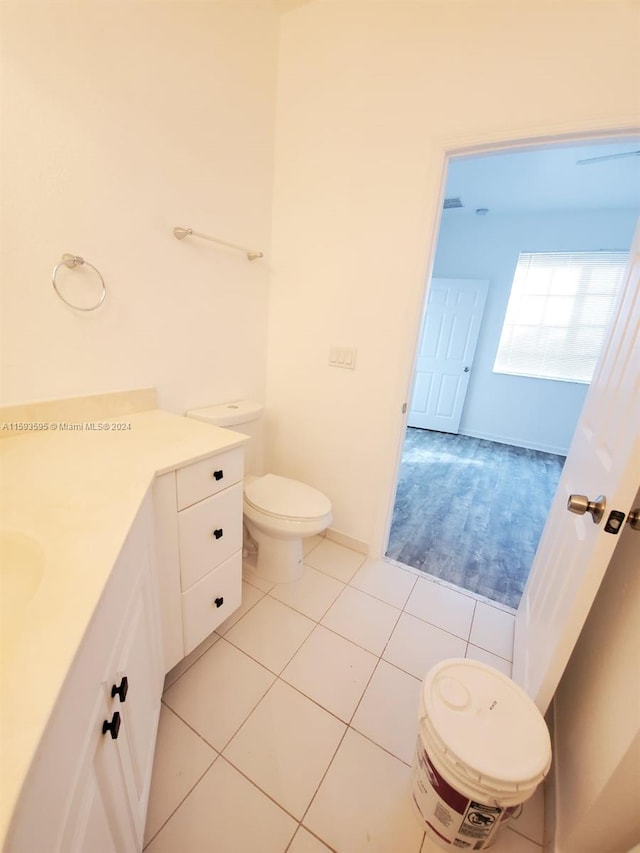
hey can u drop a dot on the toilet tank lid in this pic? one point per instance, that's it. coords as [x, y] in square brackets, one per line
[228, 414]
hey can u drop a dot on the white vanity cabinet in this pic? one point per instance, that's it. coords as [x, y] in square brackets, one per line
[199, 522]
[88, 785]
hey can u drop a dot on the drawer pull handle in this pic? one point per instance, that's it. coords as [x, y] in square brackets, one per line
[121, 690]
[113, 726]
[218, 533]
[218, 475]
[218, 602]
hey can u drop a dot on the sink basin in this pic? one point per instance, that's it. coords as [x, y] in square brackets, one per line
[22, 564]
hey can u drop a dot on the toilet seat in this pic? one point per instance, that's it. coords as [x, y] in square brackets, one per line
[284, 498]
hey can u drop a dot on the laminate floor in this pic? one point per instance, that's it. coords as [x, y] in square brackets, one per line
[471, 512]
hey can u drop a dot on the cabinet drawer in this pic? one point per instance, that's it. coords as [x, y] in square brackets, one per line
[208, 476]
[209, 532]
[210, 601]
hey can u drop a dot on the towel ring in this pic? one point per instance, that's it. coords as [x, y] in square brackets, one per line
[72, 261]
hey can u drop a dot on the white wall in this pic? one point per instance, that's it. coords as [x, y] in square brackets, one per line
[122, 120]
[536, 413]
[370, 96]
[597, 718]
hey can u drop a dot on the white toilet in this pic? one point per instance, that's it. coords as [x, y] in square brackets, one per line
[278, 512]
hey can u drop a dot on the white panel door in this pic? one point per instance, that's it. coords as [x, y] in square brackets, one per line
[604, 459]
[450, 328]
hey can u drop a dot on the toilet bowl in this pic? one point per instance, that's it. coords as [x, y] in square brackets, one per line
[278, 512]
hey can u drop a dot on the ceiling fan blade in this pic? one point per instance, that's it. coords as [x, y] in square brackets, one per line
[608, 157]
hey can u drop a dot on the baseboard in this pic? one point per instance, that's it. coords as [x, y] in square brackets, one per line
[517, 442]
[348, 541]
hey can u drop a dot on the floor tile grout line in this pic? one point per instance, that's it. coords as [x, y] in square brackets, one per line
[189, 726]
[419, 574]
[393, 630]
[244, 719]
[514, 828]
[433, 625]
[326, 710]
[379, 597]
[377, 745]
[194, 661]
[465, 593]
[279, 676]
[383, 748]
[315, 701]
[244, 614]
[220, 636]
[373, 672]
[324, 775]
[325, 571]
[276, 677]
[302, 612]
[350, 583]
[473, 616]
[489, 652]
[347, 726]
[335, 634]
[262, 791]
[186, 796]
[317, 837]
[342, 636]
[263, 665]
[237, 730]
[321, 623]
[348, 639]
[423, 574]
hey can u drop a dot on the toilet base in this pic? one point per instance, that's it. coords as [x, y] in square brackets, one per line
[277, 560]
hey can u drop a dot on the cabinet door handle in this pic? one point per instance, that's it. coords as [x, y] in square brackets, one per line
[121, 690]
[218, 475]
[113, 726]
[218, 601]
[218, 533]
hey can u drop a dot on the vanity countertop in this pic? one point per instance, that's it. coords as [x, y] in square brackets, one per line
[67, 501]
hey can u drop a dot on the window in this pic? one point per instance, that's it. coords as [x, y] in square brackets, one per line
[558, 313]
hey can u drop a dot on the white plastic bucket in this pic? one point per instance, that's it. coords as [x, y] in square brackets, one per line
[483, 748]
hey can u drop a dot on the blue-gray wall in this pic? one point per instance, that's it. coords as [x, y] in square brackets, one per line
[536, 413]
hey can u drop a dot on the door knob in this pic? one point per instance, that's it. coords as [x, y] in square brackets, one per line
[633, 519]
[580, 504]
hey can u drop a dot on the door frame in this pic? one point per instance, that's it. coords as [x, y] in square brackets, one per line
[448, 149]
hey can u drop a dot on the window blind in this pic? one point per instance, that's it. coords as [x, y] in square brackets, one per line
[559, 310]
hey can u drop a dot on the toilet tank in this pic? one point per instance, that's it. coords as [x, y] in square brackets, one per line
[243, 416]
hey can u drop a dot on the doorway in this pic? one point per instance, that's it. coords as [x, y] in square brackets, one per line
[554, 199]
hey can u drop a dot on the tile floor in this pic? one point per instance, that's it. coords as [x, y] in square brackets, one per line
[293, 727]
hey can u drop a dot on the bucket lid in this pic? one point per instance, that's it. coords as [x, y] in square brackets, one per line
[486, 725]
[228, 414]
[284, 497]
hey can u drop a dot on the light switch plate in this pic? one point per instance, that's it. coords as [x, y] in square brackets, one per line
[342, 357]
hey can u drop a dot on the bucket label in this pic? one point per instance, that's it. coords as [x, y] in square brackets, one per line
[448, 814]
[479, 820]
[443, 789]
